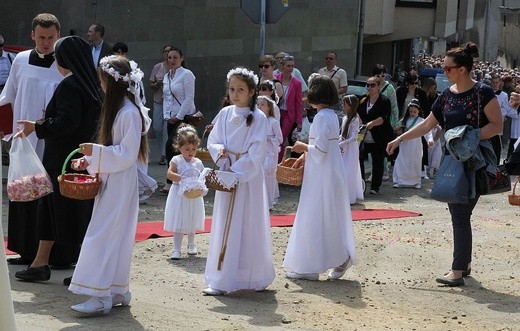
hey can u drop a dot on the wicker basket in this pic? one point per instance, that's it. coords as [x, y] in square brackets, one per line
[202, 152]
[78, 186]
[513, 198]
[213, 183]
[286, 174]
[194, 194]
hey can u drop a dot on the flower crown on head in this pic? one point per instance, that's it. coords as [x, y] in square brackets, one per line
[186, 129]
[133, 78]
[243, 72]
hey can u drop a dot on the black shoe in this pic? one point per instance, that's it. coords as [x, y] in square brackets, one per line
[450, 282]
[34, 274]
[18, 261]
[66, 281]
[465, 273]
[61, 266]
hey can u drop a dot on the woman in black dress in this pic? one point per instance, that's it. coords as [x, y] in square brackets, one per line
[70, 118]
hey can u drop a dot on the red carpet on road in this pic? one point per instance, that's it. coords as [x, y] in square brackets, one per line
[147, 230]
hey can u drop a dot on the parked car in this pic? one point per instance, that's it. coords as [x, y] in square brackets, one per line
[357, 86]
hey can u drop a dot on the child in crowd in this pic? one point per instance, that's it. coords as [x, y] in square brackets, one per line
[274, 139]
[268, 89]
[407, 168]
[240, 252]
[322, 237]
[349, 147]
[103, 268]
[183, 215]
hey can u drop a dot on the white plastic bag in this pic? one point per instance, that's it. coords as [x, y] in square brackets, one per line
[303, 135]
[27, 179]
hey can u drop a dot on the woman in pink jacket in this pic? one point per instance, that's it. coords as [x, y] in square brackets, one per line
[291, 102]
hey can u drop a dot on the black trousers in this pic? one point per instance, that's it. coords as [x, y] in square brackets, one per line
[378, 156]
[462, 235]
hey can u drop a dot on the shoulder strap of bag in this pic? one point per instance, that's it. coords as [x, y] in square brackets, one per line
[170, 87]
[384, 88]
[334, 73]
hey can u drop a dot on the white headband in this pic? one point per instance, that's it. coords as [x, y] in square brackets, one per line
[133, 78]
[243, 72]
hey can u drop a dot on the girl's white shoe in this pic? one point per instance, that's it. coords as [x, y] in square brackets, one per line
[192, 250]
[121, 299]
[339, 271]
[94, 305]
[212, 291]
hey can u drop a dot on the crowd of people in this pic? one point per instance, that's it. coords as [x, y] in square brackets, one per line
[95, 101]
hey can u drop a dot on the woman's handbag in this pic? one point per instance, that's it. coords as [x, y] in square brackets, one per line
[487, 183]
[452, 183]
[194, 119]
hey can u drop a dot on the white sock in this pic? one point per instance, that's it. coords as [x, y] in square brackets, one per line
[191, 239]
[177, 241]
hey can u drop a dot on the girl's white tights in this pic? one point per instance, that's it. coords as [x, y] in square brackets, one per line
[177, 240]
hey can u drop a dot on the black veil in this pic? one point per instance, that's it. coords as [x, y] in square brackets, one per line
[75, 54]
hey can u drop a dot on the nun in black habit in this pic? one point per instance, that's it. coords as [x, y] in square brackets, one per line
[70, 118]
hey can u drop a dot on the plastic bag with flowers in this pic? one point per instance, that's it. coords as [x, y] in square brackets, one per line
[303, 135]
[27, 179]
[192, 184]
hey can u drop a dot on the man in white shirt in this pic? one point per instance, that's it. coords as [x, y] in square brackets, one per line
[100, 48]
[5, 64]
[338, 76]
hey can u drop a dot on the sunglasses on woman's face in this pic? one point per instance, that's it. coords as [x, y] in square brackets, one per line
[265, 66]
[371, 85]
[447, 69]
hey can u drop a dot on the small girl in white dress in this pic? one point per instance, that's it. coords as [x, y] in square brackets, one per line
[407, 168]
[349, 147]
[183, 215]
[274, 139]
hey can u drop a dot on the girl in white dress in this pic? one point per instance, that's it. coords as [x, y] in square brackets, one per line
[322, 237]
[181, 214]
[274, 139]
[407, 168]
[103, 268]
[349, 147]
[267, 88]
[240, 250]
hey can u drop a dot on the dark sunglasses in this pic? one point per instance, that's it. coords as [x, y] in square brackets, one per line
[329, 58]
[447, 69]
[264, 66]
[371, 84]
[264, 88]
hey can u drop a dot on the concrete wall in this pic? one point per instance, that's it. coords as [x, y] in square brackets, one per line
[215, 35]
